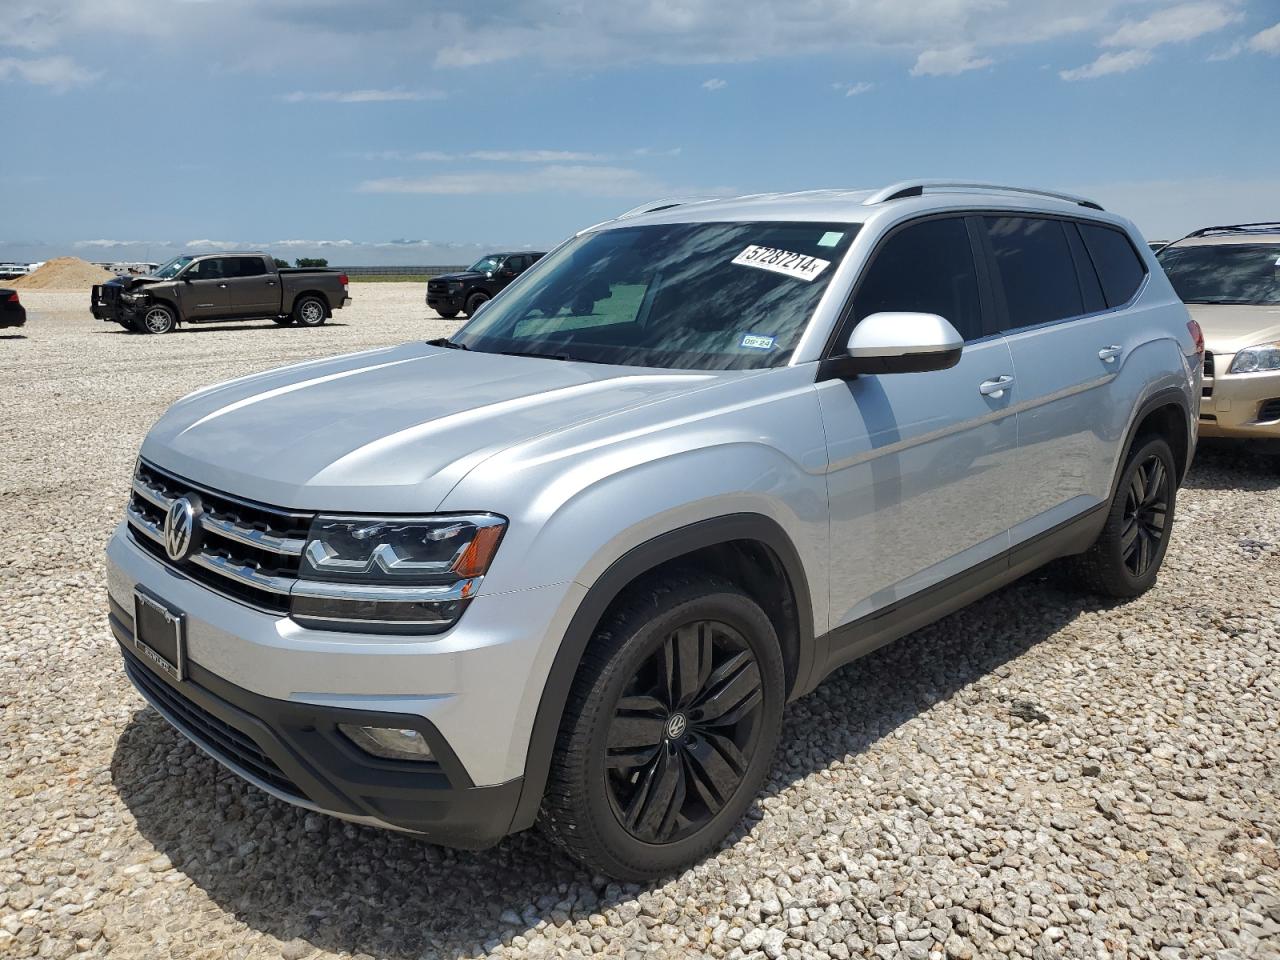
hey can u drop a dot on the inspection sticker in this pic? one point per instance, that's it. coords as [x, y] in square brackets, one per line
[798, 265]
[757, 342]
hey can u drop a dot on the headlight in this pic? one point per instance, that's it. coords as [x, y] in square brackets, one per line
[1264, 357]
[454, 286]
[393, 575]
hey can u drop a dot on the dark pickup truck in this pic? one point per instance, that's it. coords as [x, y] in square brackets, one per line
[463, 292]
[218, 287]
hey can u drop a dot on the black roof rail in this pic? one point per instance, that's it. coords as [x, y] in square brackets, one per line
[1263, 226]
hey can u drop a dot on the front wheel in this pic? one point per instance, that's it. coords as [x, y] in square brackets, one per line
[669, 731]
[309, 312]
[1128, 553]
[159, 318]
[447, 314]
[474, 303]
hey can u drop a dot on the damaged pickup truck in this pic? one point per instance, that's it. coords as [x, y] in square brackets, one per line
[220, 287]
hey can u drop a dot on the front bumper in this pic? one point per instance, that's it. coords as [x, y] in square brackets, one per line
[1240, 405]
[444, 301]
[276, 691]
[296, 753]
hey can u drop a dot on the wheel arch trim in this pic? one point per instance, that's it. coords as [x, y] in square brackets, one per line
[609, 585]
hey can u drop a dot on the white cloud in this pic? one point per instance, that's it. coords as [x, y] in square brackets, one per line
[853, 89]
[1268, 41]
[1121, 61]
[1177, 24]
[492, 156]
[715, 83]
[948, 61]
[118, 244]
[360, 96]
[59, 73]
[658, 151]
[579, 180]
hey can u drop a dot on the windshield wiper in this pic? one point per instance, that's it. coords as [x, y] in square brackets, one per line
[540, 356]
[1229, 302]
[447, 344]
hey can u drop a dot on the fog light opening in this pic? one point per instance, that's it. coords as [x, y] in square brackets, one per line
[389, 743]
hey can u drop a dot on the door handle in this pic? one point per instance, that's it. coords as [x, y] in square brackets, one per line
[271, 283]
[995, 388]
[222, 286]
[1109, 354]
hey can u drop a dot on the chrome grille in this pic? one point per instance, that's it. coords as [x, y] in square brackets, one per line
[249, 551]
[1206, 387]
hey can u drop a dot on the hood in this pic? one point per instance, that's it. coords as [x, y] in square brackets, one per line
[1229, 327]
[391, 430]
[130, 282]
[462, 275]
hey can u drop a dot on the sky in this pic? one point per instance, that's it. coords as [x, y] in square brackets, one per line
[400, 132]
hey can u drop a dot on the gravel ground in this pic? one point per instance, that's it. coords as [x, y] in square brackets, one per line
[1040, 775]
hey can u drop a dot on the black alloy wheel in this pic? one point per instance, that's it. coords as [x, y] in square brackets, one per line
[670, 727]
[682, 733]
[1146, 514]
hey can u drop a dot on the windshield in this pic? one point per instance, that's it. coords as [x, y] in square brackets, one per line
[171, 268]
[485, 265]
[698, 296]
[1224, 273]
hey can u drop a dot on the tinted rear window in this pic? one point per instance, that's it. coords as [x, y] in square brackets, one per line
[1119, 267]
[1035, 269]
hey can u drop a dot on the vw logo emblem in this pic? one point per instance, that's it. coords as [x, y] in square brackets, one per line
[676, 726]
[181, 524]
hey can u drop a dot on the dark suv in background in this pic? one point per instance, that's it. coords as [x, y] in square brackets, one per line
[463, 292]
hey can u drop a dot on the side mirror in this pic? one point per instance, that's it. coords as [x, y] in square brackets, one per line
[902, 343]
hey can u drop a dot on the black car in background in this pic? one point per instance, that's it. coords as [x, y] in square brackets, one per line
[12, 312]
[464, 292]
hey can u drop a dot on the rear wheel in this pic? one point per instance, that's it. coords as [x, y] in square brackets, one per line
[474, 302]
[309, 311]
[159, 318]
[669, 731]
[1127, 556]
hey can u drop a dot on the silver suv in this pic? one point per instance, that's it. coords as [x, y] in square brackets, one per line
[569, 565]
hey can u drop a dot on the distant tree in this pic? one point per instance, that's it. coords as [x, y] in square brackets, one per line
[280, 264]
[313, 262]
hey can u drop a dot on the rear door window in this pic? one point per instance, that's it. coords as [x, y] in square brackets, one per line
[248, 267]
[1119, 267]
[925, 267]
[1034, 270]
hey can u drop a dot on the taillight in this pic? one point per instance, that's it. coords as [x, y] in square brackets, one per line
[342, 278]
[1197, 335]
[13, 297]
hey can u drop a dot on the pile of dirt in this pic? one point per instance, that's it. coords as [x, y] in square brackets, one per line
[63, 273]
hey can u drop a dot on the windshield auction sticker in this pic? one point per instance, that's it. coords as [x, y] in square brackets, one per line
[798, 265]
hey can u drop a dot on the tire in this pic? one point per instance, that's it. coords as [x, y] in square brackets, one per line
[283, 321]
[447, 314]
[309, 311]
[638, 792]
[473, 303]
[158, 318]
[1127, 555]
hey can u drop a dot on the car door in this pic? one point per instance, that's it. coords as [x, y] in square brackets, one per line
[1068, 348]
[920, 464]
[204, 290]
[253, 290]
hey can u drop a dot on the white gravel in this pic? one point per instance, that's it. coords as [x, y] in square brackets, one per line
[1040, 775]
